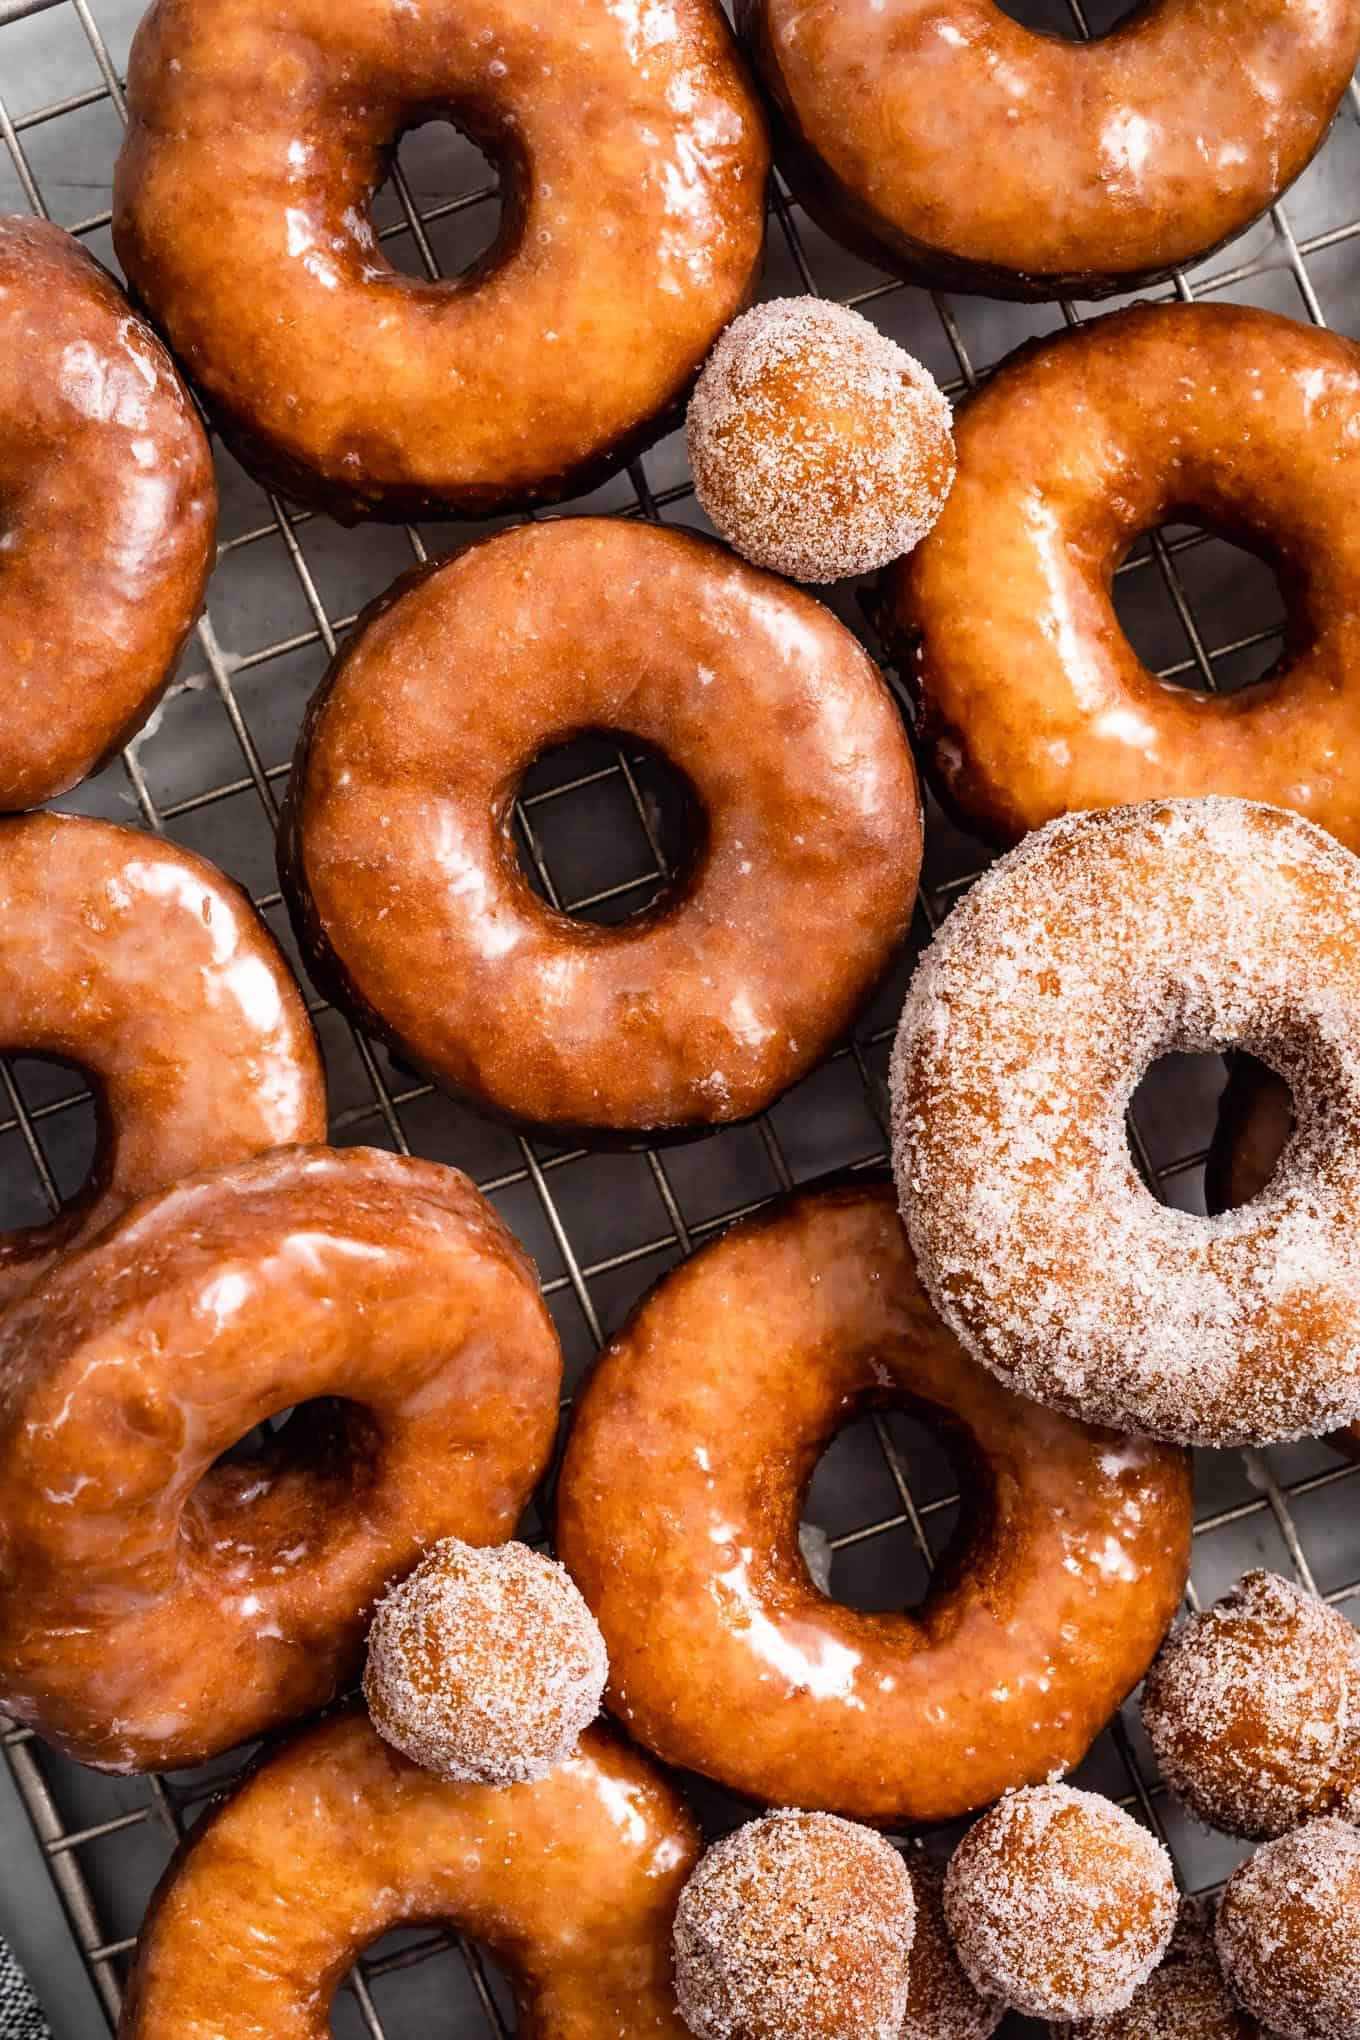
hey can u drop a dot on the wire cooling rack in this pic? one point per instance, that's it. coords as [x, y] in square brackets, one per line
[209, 772]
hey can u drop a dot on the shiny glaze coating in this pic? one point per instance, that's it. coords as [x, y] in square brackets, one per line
[1255, 1121]
[148, 969]
[107, 513]
[157, 1607]
[1088, 167]
[571, 1882]
[678, 1511]
[1032, 700]
[633, 159]
[398, 861]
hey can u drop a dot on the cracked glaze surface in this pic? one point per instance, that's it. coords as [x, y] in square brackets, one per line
[633, 159]
[157, 1607]
[397, 857]
[107, 513]
[571, 1882]
[1033, 701]
[1091, 166]
[151, 972]
[678, 1518]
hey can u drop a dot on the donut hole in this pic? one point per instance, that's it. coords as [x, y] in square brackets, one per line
[1233, 598]
[283, 1478]
[1060, 17]
[424, 1977]
[458, 190]
[608, 828]
[1172, 1125]
[53, 1105]
[857, 1541]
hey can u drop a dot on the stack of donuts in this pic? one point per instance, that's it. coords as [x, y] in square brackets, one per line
[272, 1411]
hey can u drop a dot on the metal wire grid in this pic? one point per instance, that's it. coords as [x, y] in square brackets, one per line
[603, 1226]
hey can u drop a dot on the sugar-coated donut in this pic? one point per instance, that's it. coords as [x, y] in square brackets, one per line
[151, 972]
[571, 1883]
[633, 156]
[1253, 1710]
[110, 508]
[1032, 699]
[820, 448]
[962, 149]
[1255, 1124]
[1060, 1903]
[484, 1664]
[795, 1927]
[943, 2002]
[1185, 1998]
[1288, 1933]
[398, 860]
[1103, 942]
[689, 1456]
[157, 1606]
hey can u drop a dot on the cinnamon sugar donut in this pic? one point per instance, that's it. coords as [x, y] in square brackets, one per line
[943, 2002]
[1253, 1710]
[1288, 1933]
[108, 513]
[632, 155]
[158, 1603]
[397, 856]
[484, 1664]
[151, 972]
[948, 142]
[570, 1882]
[1060, 1903]
[691, 1450]
[1185, 1998]
[1032, 700]
[1255, 1125]
[1103, 942]
[795, 1927]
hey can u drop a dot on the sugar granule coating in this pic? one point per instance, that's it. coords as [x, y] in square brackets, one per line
[1059, 1903]
[1104, 941]
[1289, 1933]
[484, 1665]
[796, 1927]
[942, 2002]
[819, 447]
[1185, 1998]
[1253, 1709]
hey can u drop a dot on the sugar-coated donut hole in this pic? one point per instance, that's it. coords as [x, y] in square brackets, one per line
[1210, 566]
[645, 827]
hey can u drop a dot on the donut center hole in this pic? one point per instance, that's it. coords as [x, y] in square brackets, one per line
[1201, 611]
[860, 1538]
[1073, 22]
[275, 1484]
[606, 828]
[423, 1977]
[49, 1161]
[1201, 1147]
[440, 213]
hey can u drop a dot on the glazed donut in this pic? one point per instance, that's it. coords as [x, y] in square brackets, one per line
[1103, 942]
[633, 159]
[1032, 700]
[688, 1459]
[946, 141]
[156, 1606]
[1255, 1122]
[398, 862]
[151, 972]
[571, 1883]
[110, 508]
